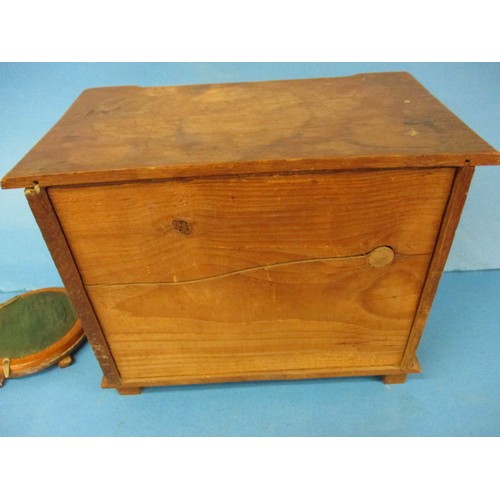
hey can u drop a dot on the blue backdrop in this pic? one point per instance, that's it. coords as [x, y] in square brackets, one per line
[34, 96]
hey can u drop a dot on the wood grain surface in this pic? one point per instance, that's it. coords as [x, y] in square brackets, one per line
[253, 231]
[444, 241]
[377, 120]
[178, 231]
[303, 316]
[57, 244]
[135, 386]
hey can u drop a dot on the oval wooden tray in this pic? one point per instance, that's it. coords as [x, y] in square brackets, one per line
[37, 330]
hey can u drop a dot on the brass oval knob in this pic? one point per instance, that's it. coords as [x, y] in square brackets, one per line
[381, 256]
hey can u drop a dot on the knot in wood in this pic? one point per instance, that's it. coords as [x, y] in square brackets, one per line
[182, 226]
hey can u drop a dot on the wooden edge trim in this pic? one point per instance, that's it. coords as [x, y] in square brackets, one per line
[267, 375]
[50, 355]
[53, 235]
[442, 248]
[269, 167]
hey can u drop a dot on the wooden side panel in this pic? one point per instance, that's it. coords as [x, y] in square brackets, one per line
[312, 316]
[443, 245]
[58, 247]
[177, 231]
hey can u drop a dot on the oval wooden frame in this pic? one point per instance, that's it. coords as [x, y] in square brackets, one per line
[51, 355]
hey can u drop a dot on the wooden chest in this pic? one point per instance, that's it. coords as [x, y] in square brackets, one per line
[268, 230]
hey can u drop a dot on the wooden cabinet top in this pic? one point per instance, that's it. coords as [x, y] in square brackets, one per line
[377, 120]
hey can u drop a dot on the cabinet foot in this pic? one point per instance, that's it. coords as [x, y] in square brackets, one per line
[395, 379]
[65, 362]
[129, 391]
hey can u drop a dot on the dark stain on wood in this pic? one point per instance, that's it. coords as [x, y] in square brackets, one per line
[182, 226]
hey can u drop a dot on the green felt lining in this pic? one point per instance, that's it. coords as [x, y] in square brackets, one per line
[34, 322]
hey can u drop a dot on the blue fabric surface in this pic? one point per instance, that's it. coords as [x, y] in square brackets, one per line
[458, 393]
